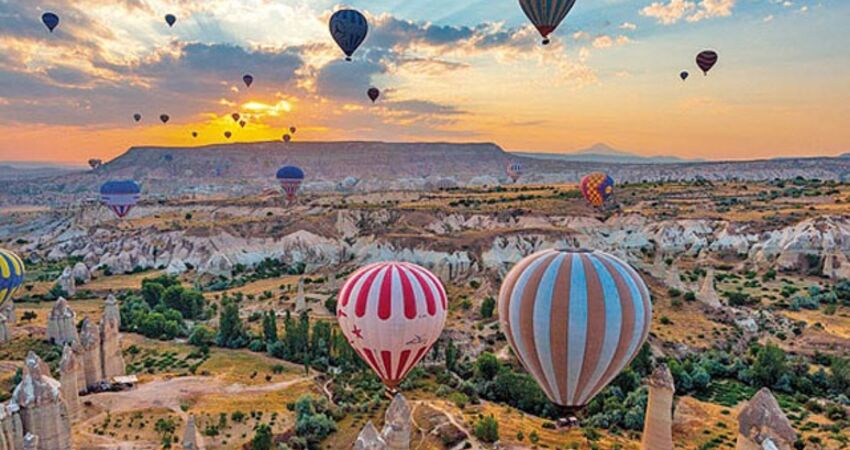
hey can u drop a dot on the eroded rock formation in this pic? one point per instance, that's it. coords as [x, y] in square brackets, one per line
[112, 361]
[62, 324]
[5, 329]
[191, 438]
[90, 353]
[762, 423]
[397, 424]
[707, 294]
[658, 424]
[67, 283]
[369, 439]
[41, 407]
[68, 375]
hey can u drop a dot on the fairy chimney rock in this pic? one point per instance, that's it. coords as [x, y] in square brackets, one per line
[69, 369]
[90, 350]
[707, 294]
[191, 438]
[8, 310]
[369, 439]
[5, 329]
[658, 424]
[11, 429]
[300, 300]
[66, 282]
[762, 423]
[41, 406]
[112, 361]
[62, 323]
[397, 424]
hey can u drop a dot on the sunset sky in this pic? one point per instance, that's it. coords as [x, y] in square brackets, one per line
[451, 70]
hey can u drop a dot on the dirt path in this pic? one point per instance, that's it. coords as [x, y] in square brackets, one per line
[451, 418]
[167, 394]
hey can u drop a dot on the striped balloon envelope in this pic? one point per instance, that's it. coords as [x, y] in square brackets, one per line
[597, 188]
[11, 275]
[290, 179]
[575, 319]
[514, 170]
[120, 196]
[546, 15]
[392, 313]
[706, 60]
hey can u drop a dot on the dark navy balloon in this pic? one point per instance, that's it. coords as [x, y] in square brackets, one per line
[120, 196]
[706, 60]
[170, 19]
[137, 117]
[168, 157]
[373, 94]
[348, 29]
[51, 21]
[684, 75]
[290, 178]
[248, 79]
[164, 118]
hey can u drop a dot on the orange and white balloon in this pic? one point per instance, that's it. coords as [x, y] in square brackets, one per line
[392, 313]
[574, 319]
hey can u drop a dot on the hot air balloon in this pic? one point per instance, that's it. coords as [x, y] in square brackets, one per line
[287, 138]
[248, 79]
[95, 163]
[120, 196]
[11, 275]
[164, 118]
[242, 123]
[706, 60]
[293, 130]
[514, 170]
[684, 75]
[392, 313]
[348, 29]
[597, 188]
[51, 21]
[290, 178]
[546, 15]
[194, 134]
[170, 19]
[574, 319]
[235, 117]
[373, 94]
[227, 134]
[137, 117]
[168, 157]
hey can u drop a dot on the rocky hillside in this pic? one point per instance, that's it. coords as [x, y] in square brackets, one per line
[239, 169]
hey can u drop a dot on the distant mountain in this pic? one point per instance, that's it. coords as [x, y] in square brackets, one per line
[28, 171]
[603, 153]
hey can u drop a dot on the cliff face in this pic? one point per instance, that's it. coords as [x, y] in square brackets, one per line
[658, 425]
[42, 409]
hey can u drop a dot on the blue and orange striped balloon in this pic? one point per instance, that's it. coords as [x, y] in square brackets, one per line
[575, 319]
[11, 275]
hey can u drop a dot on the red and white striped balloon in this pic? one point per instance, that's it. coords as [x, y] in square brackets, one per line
[392, 313]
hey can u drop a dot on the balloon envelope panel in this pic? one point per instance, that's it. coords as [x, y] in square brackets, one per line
[574, 319]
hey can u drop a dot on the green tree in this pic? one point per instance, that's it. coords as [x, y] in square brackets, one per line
[487, 429]
[231, 332]
[270, 327]
[262, 438]
[452, 355]
[487, 366]
[152, 293]
[769, 367]
[487, 307]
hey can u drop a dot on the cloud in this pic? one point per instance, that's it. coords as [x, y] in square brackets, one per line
[675, 10]
[606, 41]
[768, 18]
[628, 26]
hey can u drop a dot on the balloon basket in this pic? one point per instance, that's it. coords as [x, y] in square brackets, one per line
[390, 392]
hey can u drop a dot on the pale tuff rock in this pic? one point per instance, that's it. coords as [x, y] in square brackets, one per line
[300, 300]
[68, 375]
[31, 442]
[91, 352]
[81, 273]
[836, 266]
[707, 294]
[397, 426]
[11, 428]
[8, 311]
[111, 358]
[673, 279]
[658, 431]
[176, 267]
[67, 283]
[762, 420]
[62, 324]
[41, 406]
[5, 330]
[793, 247]
[191, 438]
[219, 265]
[369, 439]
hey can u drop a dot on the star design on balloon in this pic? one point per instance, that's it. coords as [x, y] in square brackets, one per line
[357, 332]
